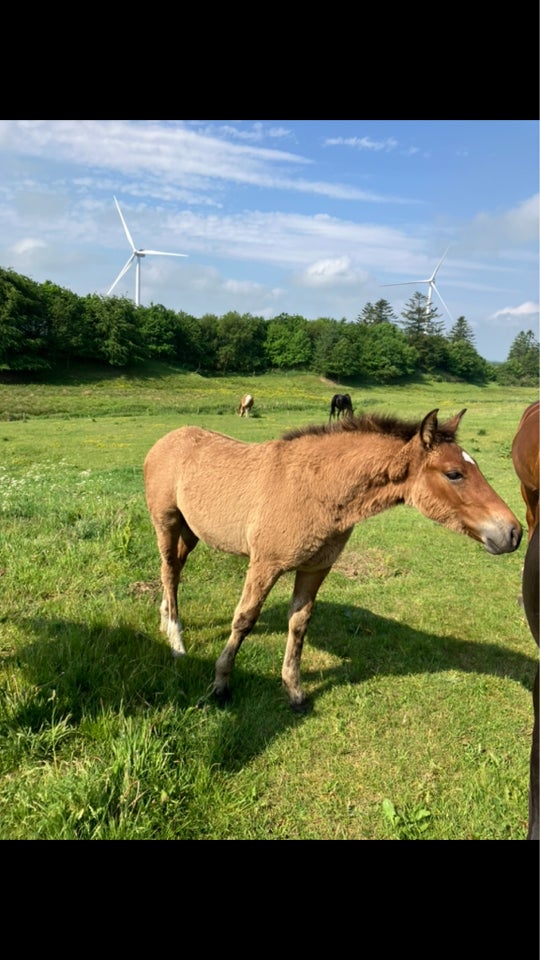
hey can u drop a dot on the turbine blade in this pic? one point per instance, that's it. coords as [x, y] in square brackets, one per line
[433, 275]
[162, 253]
[124, 270]
[128, 235]
[403, 283]
[443, 303]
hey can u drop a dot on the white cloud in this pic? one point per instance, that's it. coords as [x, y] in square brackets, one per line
[520, 224]
[362, 143]
[242, 286]
[332, 271]
[28, 245]
[524, 310]
[256, 132]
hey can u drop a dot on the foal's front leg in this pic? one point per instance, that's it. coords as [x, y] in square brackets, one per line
[306, 586]
[260, 579]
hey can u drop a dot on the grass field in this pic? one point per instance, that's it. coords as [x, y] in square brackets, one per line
[418, 660]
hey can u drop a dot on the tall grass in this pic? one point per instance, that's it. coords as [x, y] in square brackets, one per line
[418, 660]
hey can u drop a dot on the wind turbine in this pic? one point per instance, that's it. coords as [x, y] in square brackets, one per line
[137, 255]
[431, 286]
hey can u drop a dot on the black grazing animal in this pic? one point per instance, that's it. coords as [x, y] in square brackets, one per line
[341, 405]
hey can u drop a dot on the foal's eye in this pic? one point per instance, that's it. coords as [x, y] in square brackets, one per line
[454, 475]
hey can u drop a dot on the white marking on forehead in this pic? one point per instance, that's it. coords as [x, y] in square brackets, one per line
[466, 457]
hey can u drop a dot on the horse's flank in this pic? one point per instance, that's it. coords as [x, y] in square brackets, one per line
[526, 460]
[292, 503]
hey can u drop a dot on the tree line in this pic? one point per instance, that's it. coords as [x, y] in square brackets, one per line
[44, 326]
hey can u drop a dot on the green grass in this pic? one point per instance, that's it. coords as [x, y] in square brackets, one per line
[418, 660]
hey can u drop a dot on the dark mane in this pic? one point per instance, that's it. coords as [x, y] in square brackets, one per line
[369, 423]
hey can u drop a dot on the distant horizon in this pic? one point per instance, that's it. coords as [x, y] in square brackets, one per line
[307, 217]
[170, 360]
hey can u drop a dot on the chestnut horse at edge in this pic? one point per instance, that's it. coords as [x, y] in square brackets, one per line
[526, 460]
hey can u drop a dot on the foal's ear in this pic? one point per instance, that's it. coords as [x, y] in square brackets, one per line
[428, 428]
[453, 424]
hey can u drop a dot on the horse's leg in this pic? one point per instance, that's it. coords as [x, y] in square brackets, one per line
[260, 579]
[175, 542]
[533, 831]
[530, 590]
[306, 586]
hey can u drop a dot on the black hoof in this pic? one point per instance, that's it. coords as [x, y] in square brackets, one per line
[301, 708]
[222, 697]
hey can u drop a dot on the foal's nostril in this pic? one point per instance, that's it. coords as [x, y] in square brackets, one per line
[515, 537]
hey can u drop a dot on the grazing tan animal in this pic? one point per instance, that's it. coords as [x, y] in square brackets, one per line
[292, 503]
[246, 404]
[525, 457]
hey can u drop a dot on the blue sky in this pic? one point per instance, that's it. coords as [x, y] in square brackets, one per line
[305, 217]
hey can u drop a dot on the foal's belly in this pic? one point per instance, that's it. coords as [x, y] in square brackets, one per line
[326, 555]
[229, 537]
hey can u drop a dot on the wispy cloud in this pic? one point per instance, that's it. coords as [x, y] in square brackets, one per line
[362, 143]
[523, 310]
[175, 155]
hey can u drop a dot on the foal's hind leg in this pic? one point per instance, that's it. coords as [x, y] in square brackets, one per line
[260, 579]
[175, 542]
[306, 586]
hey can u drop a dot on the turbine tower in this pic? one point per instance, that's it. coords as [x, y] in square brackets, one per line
[432, 286]
[137, 255]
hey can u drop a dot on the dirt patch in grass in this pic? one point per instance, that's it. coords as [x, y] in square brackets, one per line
[139, 588]
[369, 565]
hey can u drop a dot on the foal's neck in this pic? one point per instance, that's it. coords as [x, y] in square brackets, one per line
[372, 475]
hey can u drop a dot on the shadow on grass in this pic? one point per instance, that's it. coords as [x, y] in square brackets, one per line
[82, 671]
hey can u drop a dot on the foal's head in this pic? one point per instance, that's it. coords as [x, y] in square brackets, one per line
[446, 485]
[434, 474]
